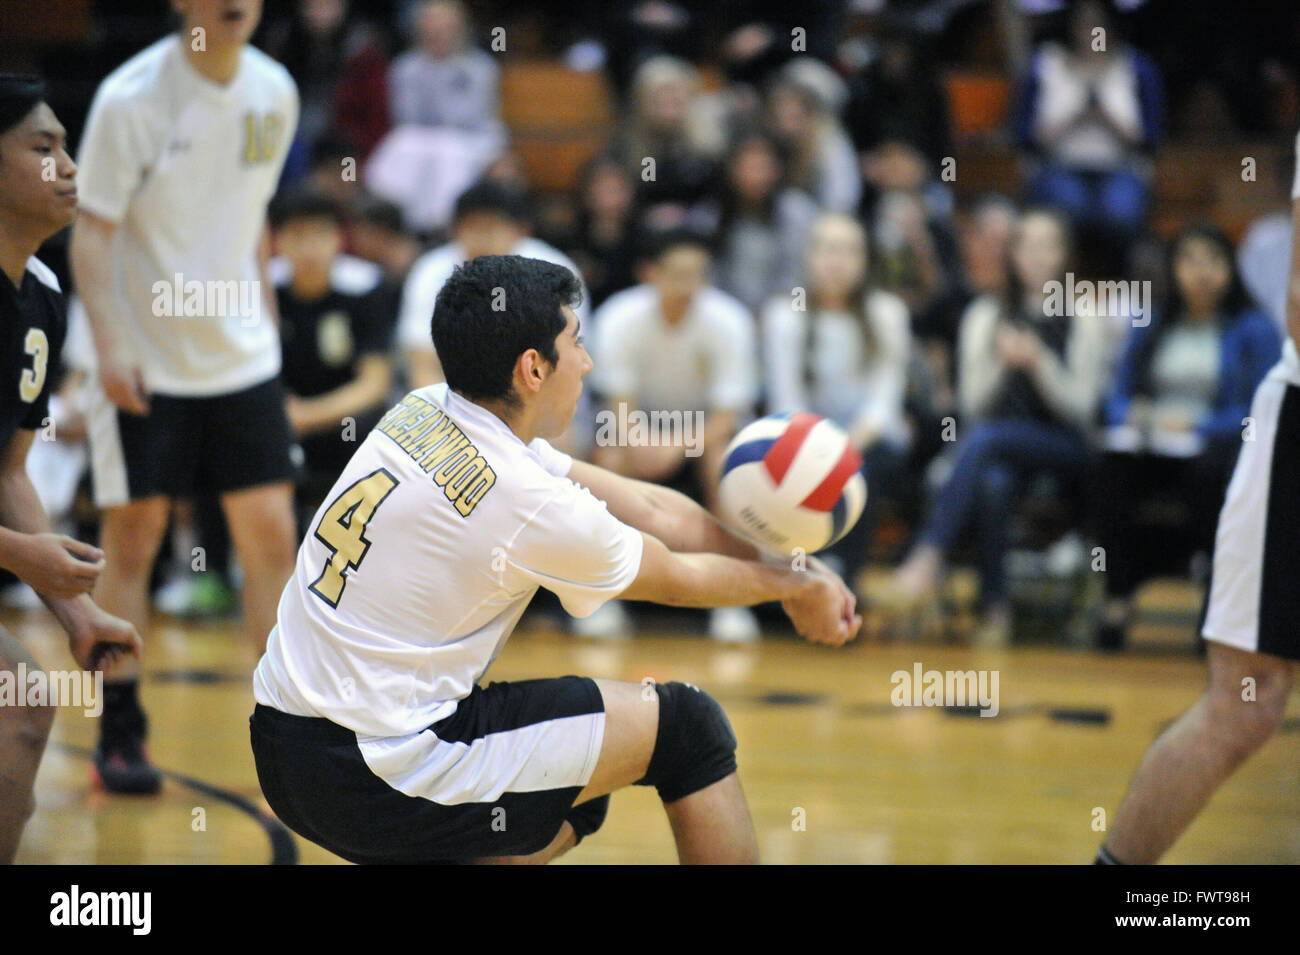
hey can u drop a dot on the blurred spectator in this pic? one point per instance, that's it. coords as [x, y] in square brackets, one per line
[805, 104]
[672, 170]
[341, 68]
[603, 241]
[676, 344]
[1029, 383]
[444, 81]
[490, 219]
[844, 357]
[376, 233]
[983, 238]
[1091, 110]
[445, 111]
[335, 341]
[1174, 420]
[760, 225]
[898, 97]
[911, 226]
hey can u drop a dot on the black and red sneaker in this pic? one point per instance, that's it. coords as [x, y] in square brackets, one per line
[122, 766]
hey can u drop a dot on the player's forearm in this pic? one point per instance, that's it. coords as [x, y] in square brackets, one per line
[712, 580]
[22, 514]
[90, 256]
[686, 527]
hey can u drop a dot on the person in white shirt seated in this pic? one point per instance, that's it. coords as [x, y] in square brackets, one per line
[841, 351]
[678, 351]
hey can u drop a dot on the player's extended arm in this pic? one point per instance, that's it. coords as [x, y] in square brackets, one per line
[367, 389]
[62, 570]
[90, 255]
[672, 517]
[821, 607]
[1293, 288]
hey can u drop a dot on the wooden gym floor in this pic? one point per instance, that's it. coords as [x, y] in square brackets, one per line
[819, 741]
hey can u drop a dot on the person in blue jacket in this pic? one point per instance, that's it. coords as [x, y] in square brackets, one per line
[1176, 418]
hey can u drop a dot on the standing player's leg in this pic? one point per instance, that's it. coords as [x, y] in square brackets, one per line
[262, 528]
[130, 536]
[1193, 757]
[23, 732]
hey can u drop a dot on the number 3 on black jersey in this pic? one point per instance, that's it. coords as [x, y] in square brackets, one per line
[342, 529]
[33, 379]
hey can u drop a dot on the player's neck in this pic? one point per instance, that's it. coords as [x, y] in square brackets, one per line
[518, 420]
[14, 253]
[217, 64]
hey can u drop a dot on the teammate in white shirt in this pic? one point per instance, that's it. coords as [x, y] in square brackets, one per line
[1250, 618]
[182, 150]
[490, 219]
[372, 735]
[679, 345]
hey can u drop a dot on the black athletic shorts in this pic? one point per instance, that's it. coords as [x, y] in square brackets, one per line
[189, 446]
[315, 777]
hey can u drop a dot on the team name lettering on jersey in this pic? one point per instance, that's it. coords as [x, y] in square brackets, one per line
[441, 449]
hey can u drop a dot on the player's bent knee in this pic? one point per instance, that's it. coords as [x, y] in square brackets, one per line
[695, 745]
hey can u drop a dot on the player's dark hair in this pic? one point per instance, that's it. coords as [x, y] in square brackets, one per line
[20, 93]
[493, 309]
[287, 207]
[493, 197]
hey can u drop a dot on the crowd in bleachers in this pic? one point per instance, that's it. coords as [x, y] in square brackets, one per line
[773, 224]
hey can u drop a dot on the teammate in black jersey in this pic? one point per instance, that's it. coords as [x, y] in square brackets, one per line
[38, 197]
[336, 324]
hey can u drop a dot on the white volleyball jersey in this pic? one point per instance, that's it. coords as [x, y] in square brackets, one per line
[184, 167]
[420, 562]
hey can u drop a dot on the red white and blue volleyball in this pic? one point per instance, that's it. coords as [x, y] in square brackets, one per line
[791, 483]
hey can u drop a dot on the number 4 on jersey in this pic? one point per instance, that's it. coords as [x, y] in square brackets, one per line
[342, 529]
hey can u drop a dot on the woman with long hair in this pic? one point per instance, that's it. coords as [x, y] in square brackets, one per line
[1028, 384]
[839, 347]
[1176, 418]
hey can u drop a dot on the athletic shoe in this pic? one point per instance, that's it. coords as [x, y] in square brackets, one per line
[122, 766]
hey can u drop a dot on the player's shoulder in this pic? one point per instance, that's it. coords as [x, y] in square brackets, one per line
[269, 69]
[142, 78]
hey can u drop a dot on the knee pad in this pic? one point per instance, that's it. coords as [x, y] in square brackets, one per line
[587, 817]
[695, 745]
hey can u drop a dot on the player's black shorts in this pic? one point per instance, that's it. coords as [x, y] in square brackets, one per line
[506, 766]
[187, 446]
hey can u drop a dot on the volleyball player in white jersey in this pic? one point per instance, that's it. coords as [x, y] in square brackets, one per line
[1252, 617]
[372, 734]
[182, 150]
